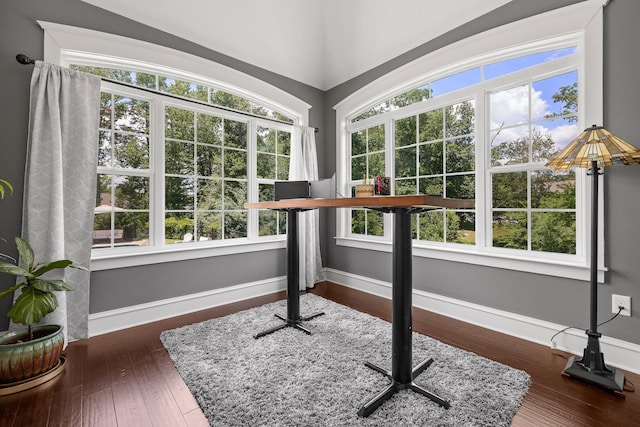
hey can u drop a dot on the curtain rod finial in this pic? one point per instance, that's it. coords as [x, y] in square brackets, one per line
[24, 59]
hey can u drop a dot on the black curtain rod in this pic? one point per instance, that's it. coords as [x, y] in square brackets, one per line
[24, 59]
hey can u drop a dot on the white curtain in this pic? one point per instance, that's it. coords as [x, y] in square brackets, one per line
[304, 167]
[60, 182]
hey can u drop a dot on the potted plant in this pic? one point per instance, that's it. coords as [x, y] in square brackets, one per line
[28, 353]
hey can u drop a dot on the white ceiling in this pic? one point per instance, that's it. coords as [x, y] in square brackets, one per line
[318, 42]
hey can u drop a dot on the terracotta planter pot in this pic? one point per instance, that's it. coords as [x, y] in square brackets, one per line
[21, 359]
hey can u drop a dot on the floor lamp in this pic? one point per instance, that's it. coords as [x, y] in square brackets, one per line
[595, 148]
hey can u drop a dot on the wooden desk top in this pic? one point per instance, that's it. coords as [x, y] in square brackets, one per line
[418, 200]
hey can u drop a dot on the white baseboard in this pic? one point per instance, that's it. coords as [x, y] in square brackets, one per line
[122, 318]
[618, 353]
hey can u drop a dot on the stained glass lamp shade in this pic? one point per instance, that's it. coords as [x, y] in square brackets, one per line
[595, 144]
[595, 148]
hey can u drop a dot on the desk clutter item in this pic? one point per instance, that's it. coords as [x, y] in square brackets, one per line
[382, 186]
[364, 190]
[291, 190]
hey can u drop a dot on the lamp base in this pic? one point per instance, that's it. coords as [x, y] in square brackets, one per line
[592, 369]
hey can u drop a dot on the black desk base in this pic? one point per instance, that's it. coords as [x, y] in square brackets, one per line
[293, 318]
[401, 374]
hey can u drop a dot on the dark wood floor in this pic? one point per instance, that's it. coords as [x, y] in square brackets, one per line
[127, 379]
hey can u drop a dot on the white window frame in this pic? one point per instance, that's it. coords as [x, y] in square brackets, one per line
[580, 24]
[64, 45]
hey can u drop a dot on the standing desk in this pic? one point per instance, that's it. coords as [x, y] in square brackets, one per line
[402, 373]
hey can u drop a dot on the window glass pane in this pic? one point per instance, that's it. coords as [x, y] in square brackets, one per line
[461, 155]
[266, 141]
[431, 158]
[375, 138]
[209, 226]
[131, 192]
[553, 232]
[406, 131]
[358, 168]
[456, 81]
[431, 125]
[461, 186]
[266, 192]
[431, 225]
[235, 194]
[510, 146]
[558, 96]
[284, 143]
[178, 227]
[235, 225]
[131, 151]
[283, 168]
[406, 162]
[410, 97]
[376, 165]
[375, 223]
[509, 107]
[131, 229]
[358, 221]
[267, 223]
[131, 115]
[178, 193]
[552, 136]
[178, 158]
[461, 227]
[509, 230]
[509, 190]
[510, 65]
[224, 99]
[104, 148]
[405, 187]
[235, 134]
[179, 124]
[209, 194]
[209, 160]
[106, 109]
[266, 166]
[209, 129]
[183, 88]
[460, 119]
[235, 164]
[553, 190]
[432, 186]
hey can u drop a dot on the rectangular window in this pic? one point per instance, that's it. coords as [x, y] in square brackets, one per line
[367, 163]
[122, 209]
[533, 208]
[435, 154]
[273, 158]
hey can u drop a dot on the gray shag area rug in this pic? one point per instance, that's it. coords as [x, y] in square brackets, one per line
[289, 378]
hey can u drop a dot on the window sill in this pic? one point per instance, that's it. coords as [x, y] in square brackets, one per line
[562, 266]
[114, 258]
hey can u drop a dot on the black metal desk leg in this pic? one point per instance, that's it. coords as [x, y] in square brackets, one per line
[293, 318]
[402, 373]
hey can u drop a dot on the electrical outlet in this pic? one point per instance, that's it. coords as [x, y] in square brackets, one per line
[621, 301]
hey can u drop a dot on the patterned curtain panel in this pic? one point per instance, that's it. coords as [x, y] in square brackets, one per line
[60, 182]
[304, 167]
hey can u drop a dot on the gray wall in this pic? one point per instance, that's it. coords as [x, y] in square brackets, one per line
[562, 301]
[20, 33]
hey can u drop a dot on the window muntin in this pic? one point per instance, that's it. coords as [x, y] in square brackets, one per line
[204, 171]
[435, 151]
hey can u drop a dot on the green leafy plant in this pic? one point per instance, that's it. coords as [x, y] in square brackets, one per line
[4, 186]
[37, 298]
